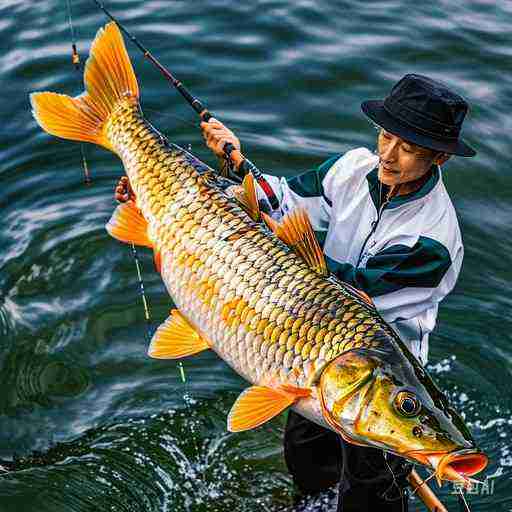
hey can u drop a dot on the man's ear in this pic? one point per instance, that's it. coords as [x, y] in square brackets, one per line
[441, 158]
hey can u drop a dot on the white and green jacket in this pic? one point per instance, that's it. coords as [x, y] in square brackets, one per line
[406, 253]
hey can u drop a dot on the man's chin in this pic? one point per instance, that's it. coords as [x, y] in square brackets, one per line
[388, 179]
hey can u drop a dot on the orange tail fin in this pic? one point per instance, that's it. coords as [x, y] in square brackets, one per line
[109, 79]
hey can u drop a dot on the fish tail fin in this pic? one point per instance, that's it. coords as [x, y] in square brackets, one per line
[109, 80]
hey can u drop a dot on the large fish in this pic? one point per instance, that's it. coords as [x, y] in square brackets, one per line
[257, 293]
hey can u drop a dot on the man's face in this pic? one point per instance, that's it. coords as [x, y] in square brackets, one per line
[402, 161]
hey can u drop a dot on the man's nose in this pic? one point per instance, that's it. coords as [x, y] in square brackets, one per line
[390, 149]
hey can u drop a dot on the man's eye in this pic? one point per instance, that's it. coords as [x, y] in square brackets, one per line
[407, 149]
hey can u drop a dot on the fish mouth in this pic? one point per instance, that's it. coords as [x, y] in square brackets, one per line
[456, 466]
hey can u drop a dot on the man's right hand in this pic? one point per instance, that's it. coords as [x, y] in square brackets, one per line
[217, 136]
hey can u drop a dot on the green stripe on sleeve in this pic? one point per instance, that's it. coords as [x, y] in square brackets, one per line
[421, 266]
[309, 184]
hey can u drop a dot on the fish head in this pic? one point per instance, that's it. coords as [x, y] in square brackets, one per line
[374, 398]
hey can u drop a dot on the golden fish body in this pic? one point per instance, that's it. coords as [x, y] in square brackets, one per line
[261, 308]
[301, 337]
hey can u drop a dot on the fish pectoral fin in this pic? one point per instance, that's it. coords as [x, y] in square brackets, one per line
[176, 338]
[249, 200]
[295, 230]
[259, 404]
[128, 225]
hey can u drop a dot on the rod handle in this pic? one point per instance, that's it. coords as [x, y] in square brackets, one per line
[245, 166]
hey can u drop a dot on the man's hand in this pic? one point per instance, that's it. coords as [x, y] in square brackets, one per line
[217, 136]
[124, 191]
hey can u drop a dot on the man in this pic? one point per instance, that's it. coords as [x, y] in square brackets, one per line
[388, 227]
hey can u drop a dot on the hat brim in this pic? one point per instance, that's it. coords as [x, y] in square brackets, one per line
[375, 110]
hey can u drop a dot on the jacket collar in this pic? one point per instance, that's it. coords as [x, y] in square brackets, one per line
[396, 201]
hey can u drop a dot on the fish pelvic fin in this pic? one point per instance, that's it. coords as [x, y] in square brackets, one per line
[259, 404]
[109, 81]
[176, 338]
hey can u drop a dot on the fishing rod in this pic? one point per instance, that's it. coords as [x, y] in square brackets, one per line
[242, 164]
[75, 60]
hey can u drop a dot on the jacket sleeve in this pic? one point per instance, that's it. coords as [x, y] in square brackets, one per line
[405, 281]
[306, 190]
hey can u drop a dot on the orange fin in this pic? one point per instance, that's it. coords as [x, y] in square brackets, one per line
[128, 225]
[250, 198]
[272, 224]
[258, 404]
[109, 80]
[296, 231]
[237, 191]
[176, 338]
[157, 258]
[363, 295]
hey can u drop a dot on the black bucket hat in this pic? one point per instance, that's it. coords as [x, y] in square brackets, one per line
[424, 112]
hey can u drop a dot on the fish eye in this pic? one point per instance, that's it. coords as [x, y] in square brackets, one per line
[407, 404]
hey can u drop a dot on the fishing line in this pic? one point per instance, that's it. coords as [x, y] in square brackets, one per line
[341, 491]
[147, 314]
[416, 489]
[463, 503]
[75, 60]
[167, 114]
[381, 476]
[225, 166]
[145, 304]
[394, 483]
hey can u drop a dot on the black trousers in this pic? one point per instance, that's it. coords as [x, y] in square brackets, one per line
[372, 481]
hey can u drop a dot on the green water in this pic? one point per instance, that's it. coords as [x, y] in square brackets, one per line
[90, 422]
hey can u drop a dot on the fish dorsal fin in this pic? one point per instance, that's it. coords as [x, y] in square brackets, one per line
[296, 231]
[176, 338]
[128, 225]
[272, 224]
[238, 192]
[259, 404]
[250, 200]
[363, 295]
